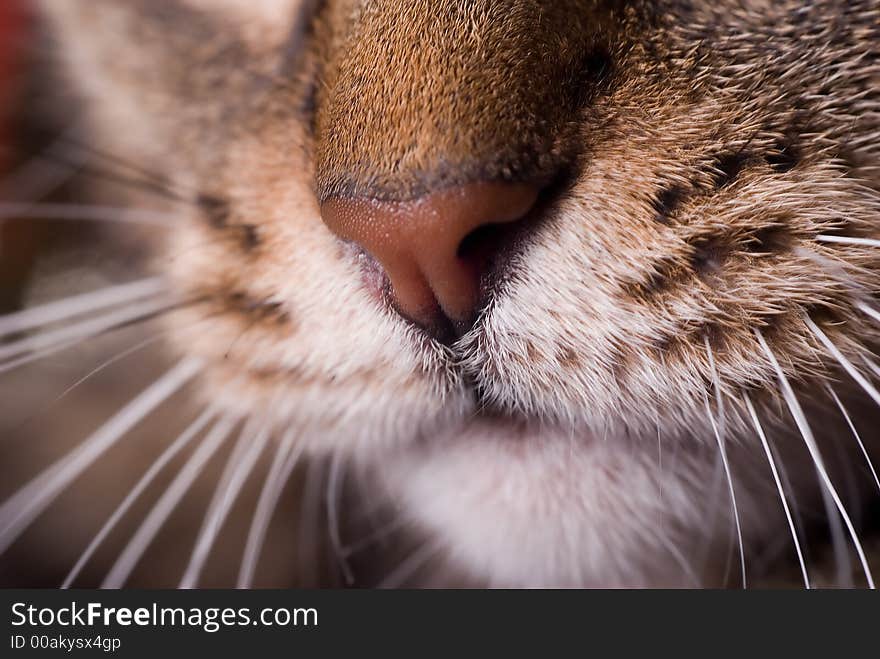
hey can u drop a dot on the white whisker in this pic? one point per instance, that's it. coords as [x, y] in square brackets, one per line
[107, 364]
[410, 566]
[286, 457]
[855, 433]
[839, 543]
[874, 368]
[719, 430]
[766, 444]
[792, 495]
[76, 305]
[309, 518]
[240, 465]
[869, 310]
[807, 434]
[166, 504]
[837, 532]
[723, 452]
[82, 328]
[334, 491]
[377, 535]
[46, 343]
[716, 486]
[36, 179]
[84, 213]
[679, 558]
[146, 480]
[32, 499]
[104, 365]
[42, 174]
[118, 357]
[847, 240]
[869, 388]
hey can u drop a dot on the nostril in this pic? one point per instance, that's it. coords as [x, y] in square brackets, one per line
[483, 242]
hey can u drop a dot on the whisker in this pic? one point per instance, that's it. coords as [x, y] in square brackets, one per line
[240, 465]
[146, 480]
[15, 363]
[247, 328]
[40, 345]
[104, 365]
[718, 429]
[838, 536]
[807, 434]
[84, 213]
[83, 161]
[792, 495]
[119, 162]
[134, 183]
[38, 177]
[870, 311]
[310, 519]
[847, 240]
[723, 452]
[166, 504]
[410, 566]
[659, 463]
[839, 545]
[711, 498]
[69, 155]
[840, 270]
[373, 509]
[874, 368]
[107, 363]
[31, 500]
[286, 458]
[239, 449]
[384, 531]
[76, 305]
[782, 498]
[679, 558]
[855, 433]
[864, 383]
[45, 171]
[334, 491]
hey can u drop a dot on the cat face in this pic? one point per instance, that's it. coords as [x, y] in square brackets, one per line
[689, 197]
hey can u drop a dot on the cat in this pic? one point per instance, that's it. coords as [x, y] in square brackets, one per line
[584, 290]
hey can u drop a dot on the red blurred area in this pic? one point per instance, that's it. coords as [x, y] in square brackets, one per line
[18, 242]
[14, 29]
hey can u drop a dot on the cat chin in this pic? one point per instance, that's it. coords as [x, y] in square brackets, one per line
[515, 506]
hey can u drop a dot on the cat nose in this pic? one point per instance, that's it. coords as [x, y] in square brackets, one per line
[436, 248]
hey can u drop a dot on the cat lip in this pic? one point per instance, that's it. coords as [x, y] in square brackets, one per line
[497, 425]
[490, 412]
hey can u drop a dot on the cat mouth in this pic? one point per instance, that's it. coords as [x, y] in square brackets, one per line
[490, 417]
[511, 428]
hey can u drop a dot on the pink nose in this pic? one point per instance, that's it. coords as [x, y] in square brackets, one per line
[421, 244]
